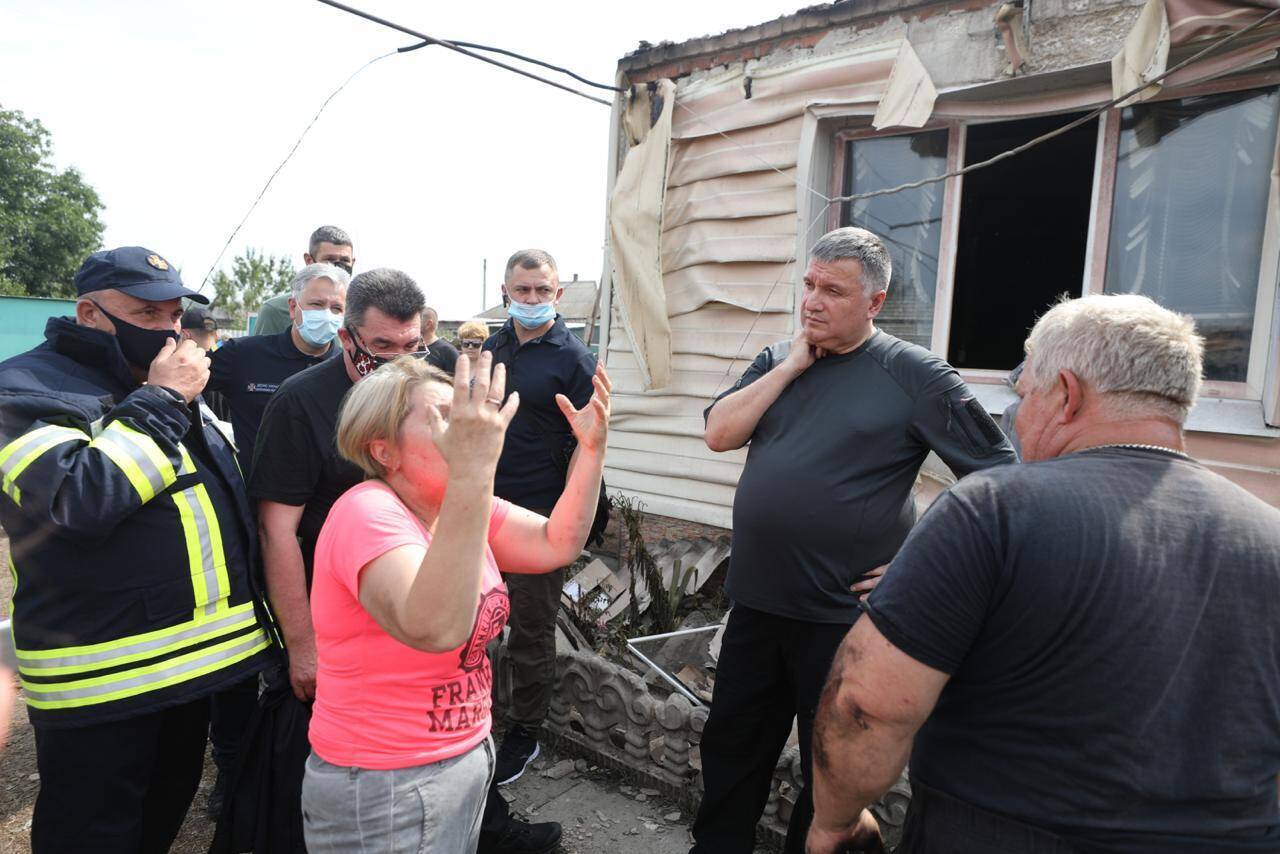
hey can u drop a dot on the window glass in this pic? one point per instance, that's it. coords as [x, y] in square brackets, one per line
[1192, 178]
[910, 222]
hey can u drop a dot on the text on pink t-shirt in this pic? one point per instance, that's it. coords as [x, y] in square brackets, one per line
[379, 703]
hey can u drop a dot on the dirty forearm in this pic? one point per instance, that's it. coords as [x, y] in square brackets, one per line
[856, 758]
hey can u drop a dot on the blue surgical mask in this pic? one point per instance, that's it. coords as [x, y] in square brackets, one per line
[318, 326]
[532, 316]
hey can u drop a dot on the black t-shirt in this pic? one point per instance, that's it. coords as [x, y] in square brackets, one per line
[539, 443]
[1111, 624]
[296, 460]
[248, 371]
[826, 491]
[442, 355]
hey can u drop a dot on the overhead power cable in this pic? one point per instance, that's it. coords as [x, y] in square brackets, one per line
[502, 50]
[454, 46]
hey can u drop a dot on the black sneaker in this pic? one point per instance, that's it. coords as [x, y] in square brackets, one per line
[519, 748]
[520, 837]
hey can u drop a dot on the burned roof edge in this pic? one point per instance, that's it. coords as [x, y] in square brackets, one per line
[800, 29]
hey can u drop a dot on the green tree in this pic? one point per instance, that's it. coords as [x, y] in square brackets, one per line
[49, 220]
[254, 278]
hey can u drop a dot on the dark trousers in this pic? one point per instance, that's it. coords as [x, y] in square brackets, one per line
[535, 601]
[229, 714]
[937, 823]
[121, 787]
[771, 671]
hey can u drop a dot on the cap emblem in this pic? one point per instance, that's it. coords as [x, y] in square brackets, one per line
[157, 262]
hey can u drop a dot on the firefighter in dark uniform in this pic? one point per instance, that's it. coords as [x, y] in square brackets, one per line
[131, 547]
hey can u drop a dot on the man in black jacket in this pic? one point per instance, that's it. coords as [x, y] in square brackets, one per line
[132, 545]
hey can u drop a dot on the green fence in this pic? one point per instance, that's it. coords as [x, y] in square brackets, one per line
[22, 321]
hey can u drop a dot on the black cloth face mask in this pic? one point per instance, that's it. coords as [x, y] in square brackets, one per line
[366, 363]
[140, 346]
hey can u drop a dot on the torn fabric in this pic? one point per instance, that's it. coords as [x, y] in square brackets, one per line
[635, 231]
[1164, 24]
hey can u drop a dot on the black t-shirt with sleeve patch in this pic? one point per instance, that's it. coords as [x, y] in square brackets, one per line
[296, 459]
[1110, 621]
[826, 491]
[247, 371]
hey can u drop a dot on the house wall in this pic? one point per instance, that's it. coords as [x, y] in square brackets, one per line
[734, 226]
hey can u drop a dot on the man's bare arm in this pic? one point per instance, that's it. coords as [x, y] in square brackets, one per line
[286, 576]
[875, 700]
[734, 417]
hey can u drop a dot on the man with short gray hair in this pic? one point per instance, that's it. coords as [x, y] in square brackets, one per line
[248, 370]
[1079, 653]
[839, 420]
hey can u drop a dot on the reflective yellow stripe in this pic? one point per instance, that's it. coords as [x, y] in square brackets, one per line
[130, 683]
[188, 467]
[125, 462]
[221, 582]
[205, 556]
[69, 660]
[149, 447]
[138, 456]
[26, 449]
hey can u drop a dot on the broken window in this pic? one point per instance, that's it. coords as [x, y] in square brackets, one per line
[910, 221]
[1023, 233]
[1192, 179]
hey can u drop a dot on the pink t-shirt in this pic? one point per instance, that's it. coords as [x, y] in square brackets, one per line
[381, 704]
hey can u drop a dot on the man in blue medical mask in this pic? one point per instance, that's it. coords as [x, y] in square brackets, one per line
[249, 369]
[544, 360]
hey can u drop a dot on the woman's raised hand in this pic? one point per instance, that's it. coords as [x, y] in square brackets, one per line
[590, 424]
[471, 439]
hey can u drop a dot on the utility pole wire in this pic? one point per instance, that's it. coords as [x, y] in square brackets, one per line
[432, 40]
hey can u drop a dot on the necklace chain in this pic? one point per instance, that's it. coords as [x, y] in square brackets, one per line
[1135, 446]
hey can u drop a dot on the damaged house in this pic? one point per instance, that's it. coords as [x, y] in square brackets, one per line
[729, 149]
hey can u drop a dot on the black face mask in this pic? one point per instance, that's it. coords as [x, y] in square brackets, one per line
[366, 363]
[140, 346]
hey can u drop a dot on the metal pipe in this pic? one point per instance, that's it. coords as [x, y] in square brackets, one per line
[675, 683]
[676, 633]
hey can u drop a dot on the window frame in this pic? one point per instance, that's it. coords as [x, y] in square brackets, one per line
[1259, 344]
[1263, 374]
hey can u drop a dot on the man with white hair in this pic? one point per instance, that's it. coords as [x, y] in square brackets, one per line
[839, 421]
[1079, 653]
[249, 370]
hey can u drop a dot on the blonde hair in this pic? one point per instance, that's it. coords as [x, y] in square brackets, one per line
[473, 329]
[376, 407]
[1144, 357]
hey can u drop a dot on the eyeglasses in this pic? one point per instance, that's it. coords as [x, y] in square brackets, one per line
[470, 345]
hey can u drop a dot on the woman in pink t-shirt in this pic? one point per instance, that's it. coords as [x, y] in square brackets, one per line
[407, 593]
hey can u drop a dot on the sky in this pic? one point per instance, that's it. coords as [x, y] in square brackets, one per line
[177, 113]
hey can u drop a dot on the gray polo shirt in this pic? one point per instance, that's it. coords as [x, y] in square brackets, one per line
[826, 491]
